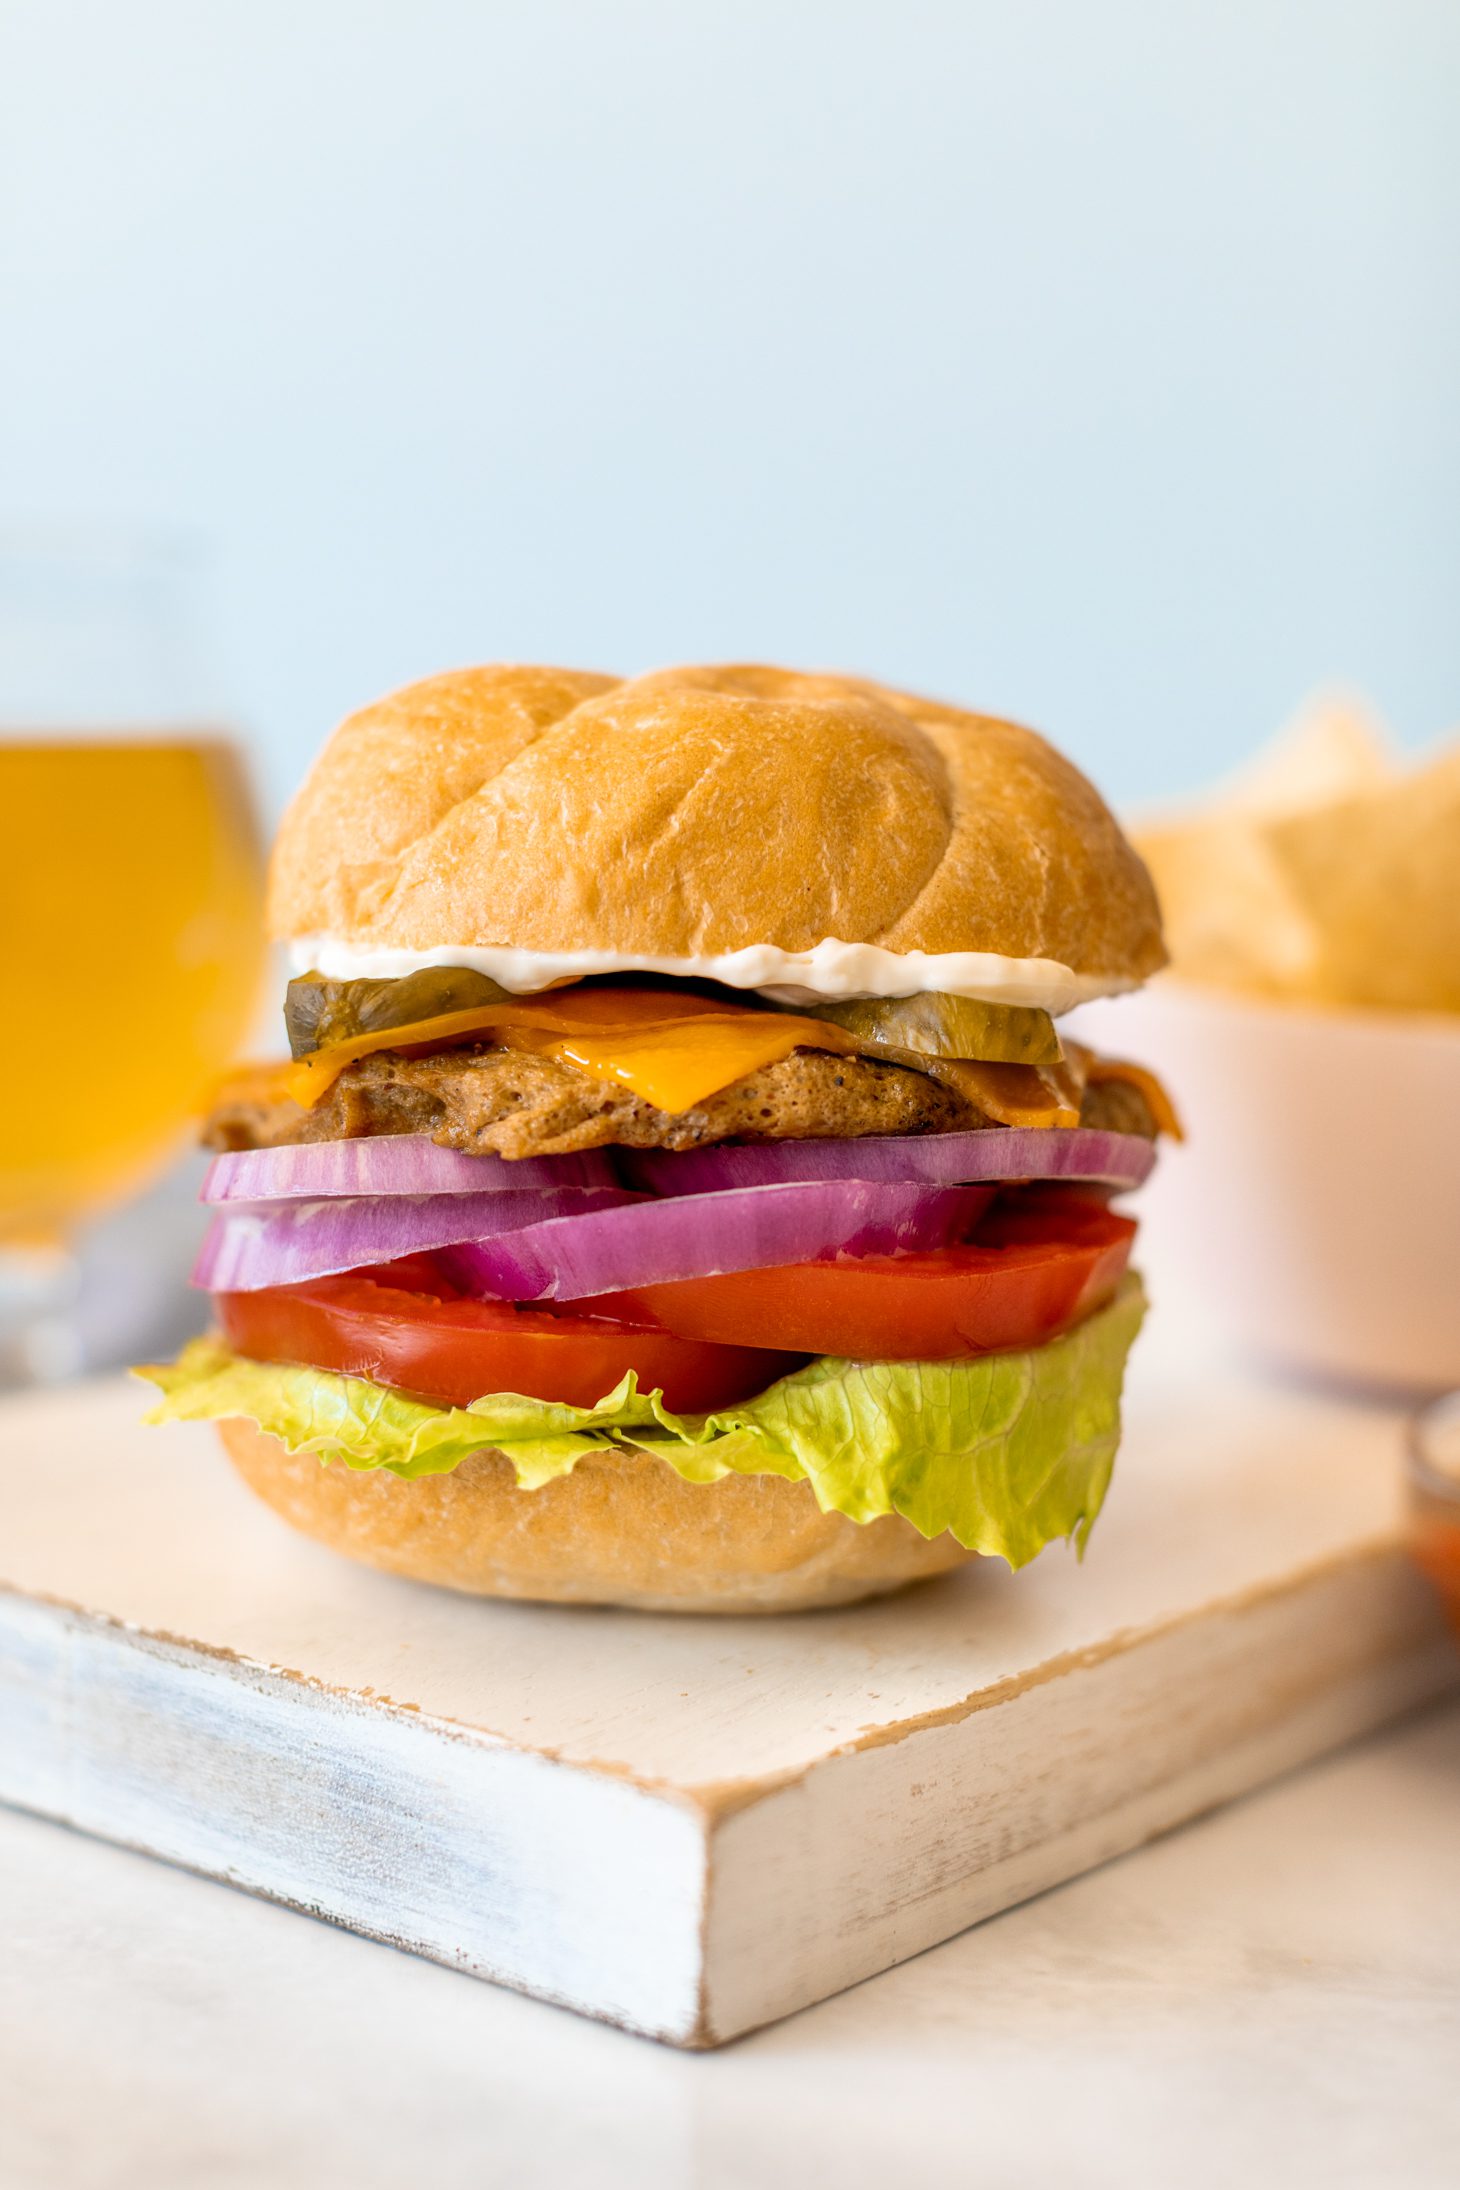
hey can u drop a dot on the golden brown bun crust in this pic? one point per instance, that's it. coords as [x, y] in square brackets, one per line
[698, 811]
[622, 1529]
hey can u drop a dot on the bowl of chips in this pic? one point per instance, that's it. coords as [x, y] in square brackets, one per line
[1309, 1030]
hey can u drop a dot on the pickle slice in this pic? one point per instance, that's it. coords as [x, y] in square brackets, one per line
[318, 1013]
[946, 1026]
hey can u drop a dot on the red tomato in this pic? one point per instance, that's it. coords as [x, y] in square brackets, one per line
[1038, 1262]
[451, 1351]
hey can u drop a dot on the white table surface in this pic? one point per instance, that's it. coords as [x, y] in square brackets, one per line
[1271, 1997]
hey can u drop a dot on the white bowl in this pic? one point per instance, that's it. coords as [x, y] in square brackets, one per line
[1314, 1210]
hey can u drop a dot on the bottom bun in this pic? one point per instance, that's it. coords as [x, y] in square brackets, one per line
[622, 1529]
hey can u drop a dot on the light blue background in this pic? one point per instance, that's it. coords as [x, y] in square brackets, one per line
[1096, 363]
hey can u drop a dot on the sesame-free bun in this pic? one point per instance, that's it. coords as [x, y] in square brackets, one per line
[622, 1529]
[694, 812]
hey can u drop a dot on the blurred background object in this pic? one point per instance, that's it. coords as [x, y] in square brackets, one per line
[131, 884]
[1325, 872]
[1313, 1213]
[1434, 1498]
[1310, 1022]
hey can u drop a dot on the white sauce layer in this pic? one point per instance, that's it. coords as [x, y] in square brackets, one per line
[833, 970]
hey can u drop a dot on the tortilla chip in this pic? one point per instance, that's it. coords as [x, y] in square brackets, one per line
[1323, 871]
[1378, 878]
[1334, 748]
[1231, 914]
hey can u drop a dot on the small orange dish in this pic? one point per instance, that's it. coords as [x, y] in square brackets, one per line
[1434, 1498]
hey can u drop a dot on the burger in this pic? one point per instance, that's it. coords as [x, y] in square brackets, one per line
[679, 1193]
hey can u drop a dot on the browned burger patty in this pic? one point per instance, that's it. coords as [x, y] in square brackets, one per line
[512, 1104]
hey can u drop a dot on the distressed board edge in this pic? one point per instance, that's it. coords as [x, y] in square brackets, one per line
[576, 1886]
[932, 1830]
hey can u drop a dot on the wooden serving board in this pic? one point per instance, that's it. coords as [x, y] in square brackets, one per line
[691, 1827]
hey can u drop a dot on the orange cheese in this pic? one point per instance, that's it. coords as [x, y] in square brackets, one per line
[1158, 1102]
[672, 1052]
[676, 1067]
[264, 1084]
[1016, 1095]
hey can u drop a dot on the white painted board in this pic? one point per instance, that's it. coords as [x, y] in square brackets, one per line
[693, 1827]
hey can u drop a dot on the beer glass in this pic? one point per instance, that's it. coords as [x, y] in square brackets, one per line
[130, 885]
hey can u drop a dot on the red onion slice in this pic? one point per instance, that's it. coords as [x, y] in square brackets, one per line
[285, 1243]
[404, 1163]
[935, 1159]
[704, 1235]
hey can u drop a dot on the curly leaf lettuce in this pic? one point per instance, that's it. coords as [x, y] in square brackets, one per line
[1008, 1451]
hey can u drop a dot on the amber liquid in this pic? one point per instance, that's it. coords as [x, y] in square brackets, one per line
[130, 887]
[1435, 1542]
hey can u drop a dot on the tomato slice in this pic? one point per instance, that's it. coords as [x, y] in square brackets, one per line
[451, 1351]
[1040, 1260]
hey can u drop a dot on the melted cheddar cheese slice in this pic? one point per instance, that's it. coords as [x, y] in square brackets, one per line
[676, 1051]
[676, 1067]
[1016, 1095]
[1158, 1102]
[670, 1051]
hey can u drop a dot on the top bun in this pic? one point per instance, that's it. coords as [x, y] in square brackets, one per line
[700, 811]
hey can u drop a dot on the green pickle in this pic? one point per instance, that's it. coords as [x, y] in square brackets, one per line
[318, 1013]
[946, 1026]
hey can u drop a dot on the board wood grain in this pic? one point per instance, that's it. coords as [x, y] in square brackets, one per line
[692, 1827]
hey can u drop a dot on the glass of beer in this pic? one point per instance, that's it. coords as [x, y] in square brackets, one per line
[130, 878]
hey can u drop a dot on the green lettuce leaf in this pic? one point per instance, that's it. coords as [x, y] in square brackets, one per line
[1008, 1451]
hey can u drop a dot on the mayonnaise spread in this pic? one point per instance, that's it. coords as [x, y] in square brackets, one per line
[832, 971]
